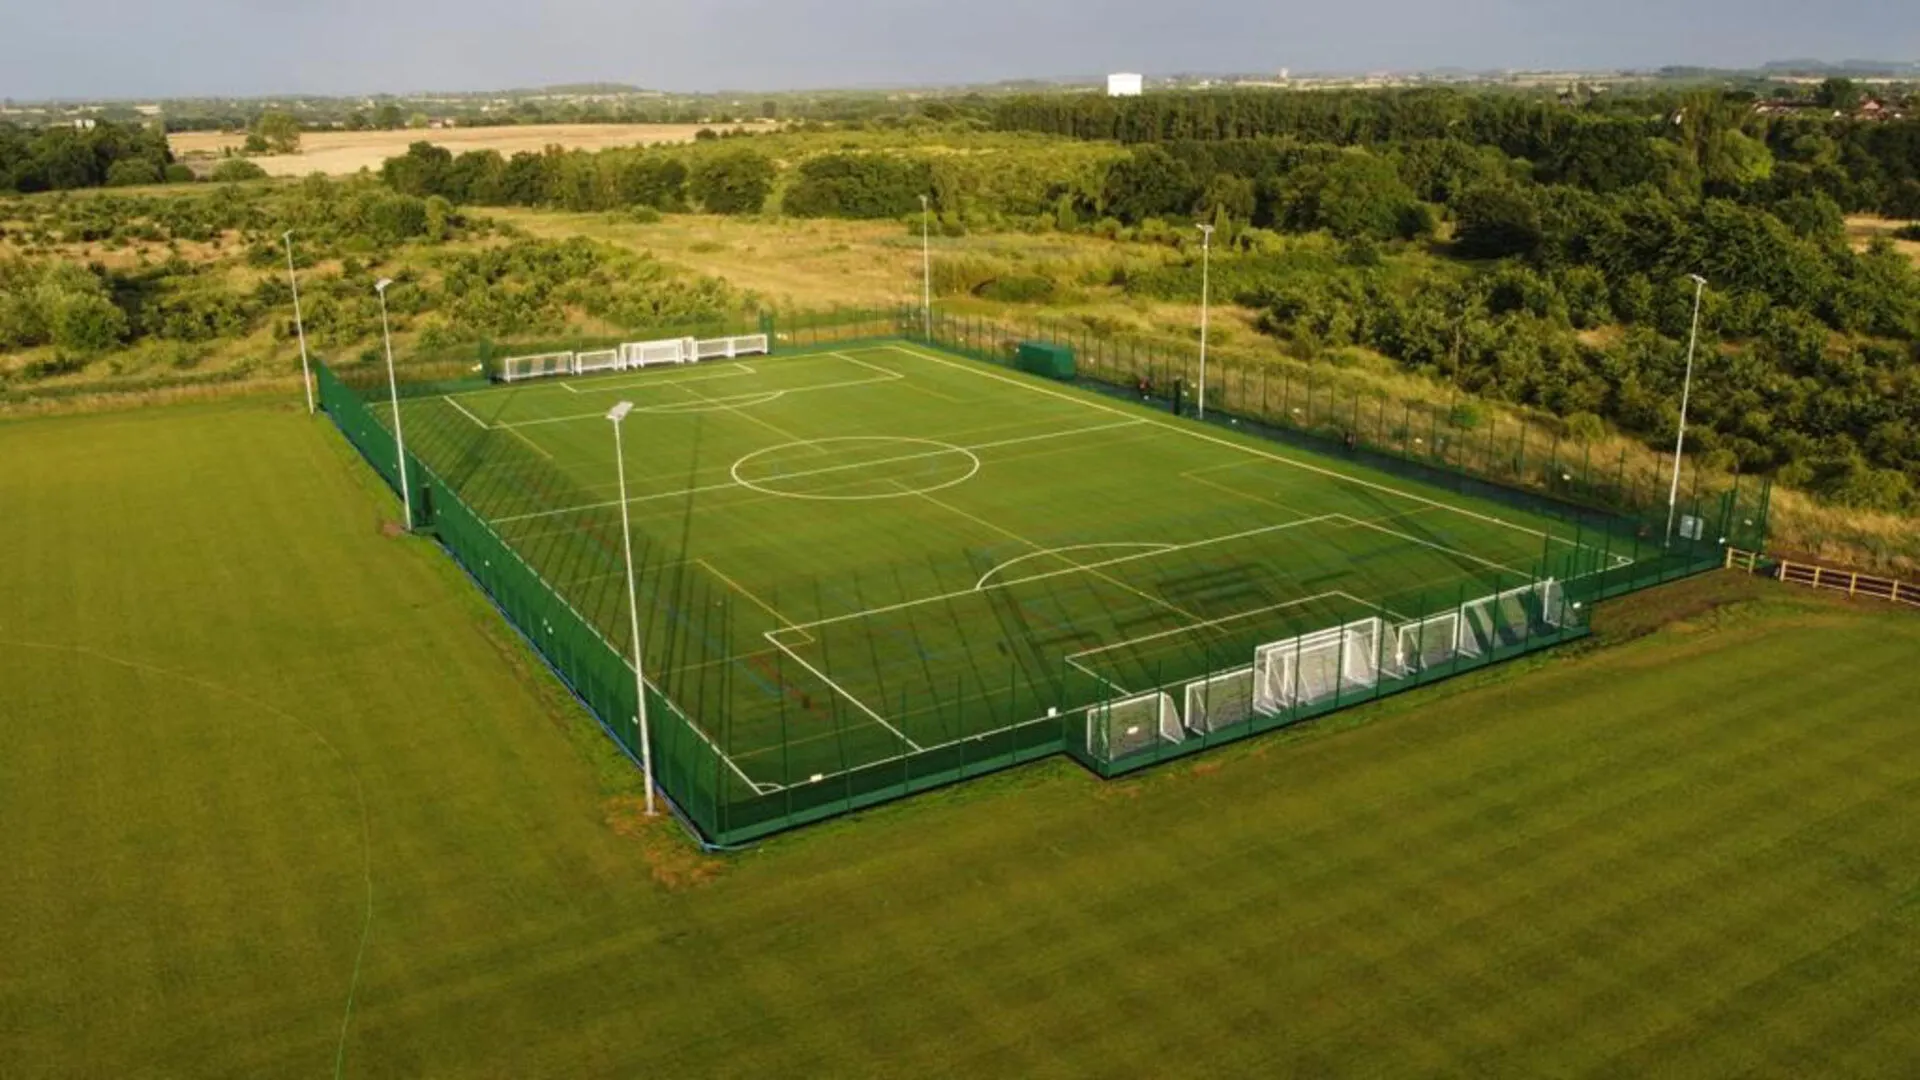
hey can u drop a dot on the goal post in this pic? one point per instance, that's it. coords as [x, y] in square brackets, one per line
[586, 363]
[1220, 701]
[1119, 729]
[537, 366]
[639, 354]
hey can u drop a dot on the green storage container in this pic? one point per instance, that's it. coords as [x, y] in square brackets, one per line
[1046, 358]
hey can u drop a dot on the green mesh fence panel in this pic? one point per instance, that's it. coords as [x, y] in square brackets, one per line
[1004, 713]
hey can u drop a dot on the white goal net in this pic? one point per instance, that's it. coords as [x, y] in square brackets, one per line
[587, 363]
[538, 366]
[637, 354]
[1220, 701]
[1425, 644]
[1122, 728]
[1317, 667]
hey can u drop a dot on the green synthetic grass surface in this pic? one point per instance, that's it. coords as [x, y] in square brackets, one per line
[859, 552]
[250, 744]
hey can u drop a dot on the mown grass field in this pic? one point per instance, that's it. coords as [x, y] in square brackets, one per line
[283, 797]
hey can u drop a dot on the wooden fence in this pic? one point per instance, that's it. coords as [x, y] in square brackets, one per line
[1822, 577]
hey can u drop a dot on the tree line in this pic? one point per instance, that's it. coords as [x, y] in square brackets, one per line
[63, 157]
[1699, 138]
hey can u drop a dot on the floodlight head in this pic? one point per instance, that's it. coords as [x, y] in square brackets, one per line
[1207, 229]
[619, 412]
[381, 285]
[287, 236]
[1698, 280]
[923, 202]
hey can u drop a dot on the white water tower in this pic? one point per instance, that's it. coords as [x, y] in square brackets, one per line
[1124, 84]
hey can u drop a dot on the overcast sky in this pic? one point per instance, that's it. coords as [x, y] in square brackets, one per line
[136, 48]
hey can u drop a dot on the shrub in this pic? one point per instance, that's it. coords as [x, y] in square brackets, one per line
[734, 183]
[128, 172]
[1018, 289]
[237, 169]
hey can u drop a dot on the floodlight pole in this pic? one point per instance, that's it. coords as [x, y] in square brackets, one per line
[618, 414]
[1206, 267]
[926, 268]
[393, 390]
[1686, 392]
[306, 374]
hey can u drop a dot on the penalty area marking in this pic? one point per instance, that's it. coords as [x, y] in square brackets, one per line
[659, 380]
[1158, 547]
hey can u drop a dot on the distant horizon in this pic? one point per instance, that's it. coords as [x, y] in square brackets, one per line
[1796, 68]
[89, 50]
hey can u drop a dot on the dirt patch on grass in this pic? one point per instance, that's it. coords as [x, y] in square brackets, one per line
[671, 858]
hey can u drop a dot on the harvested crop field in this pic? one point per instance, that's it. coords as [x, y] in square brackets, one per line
[339, 153]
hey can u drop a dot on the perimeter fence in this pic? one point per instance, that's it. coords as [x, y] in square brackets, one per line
[1230, 690]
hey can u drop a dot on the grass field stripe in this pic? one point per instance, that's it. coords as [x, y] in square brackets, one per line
[917, 455]
[838, 689]
[270, 709]
[1412, 539]
[463, 411]
[1077, 568]
[1193, 432]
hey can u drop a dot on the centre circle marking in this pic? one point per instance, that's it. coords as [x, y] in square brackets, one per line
[937, 449]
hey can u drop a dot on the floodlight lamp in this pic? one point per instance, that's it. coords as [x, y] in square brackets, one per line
[381, 285]
[1697, 279]
[619, 412]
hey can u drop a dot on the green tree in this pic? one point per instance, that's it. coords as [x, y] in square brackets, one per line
[735, 182]
[1150, 183]
[280, 130]
[128, 172]
[1496, 221]
[1735, 162]
[1841, 95]
[388, 117]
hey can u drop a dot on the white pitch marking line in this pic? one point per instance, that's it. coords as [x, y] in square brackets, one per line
[522, 436]
[1412, 539]
[684, 492]
[1078, 568]
[982, 583]
[757, 602]
[1211, 622]
[1197, 434]
[759, 396]
[836, 688]
[464, 412]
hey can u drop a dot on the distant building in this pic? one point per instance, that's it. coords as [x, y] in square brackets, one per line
[1124, 84]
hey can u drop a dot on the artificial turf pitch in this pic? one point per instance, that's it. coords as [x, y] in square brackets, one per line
[858, 553]
[282, 796]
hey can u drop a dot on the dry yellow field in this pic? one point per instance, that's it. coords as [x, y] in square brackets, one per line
[1864, 227]
[338, 153]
